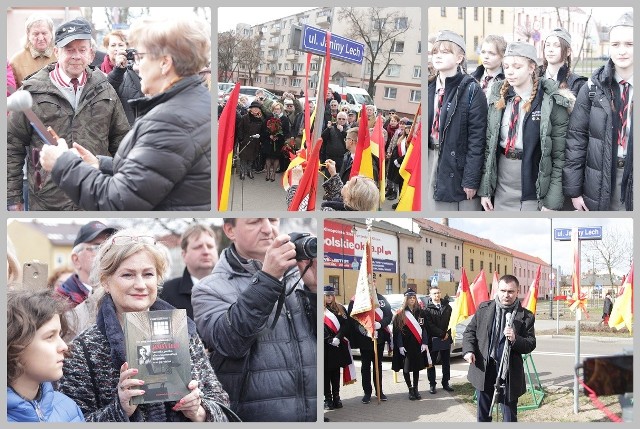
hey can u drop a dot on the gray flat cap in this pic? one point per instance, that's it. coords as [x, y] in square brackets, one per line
[450, 36]
[521, 49]
[560, 33]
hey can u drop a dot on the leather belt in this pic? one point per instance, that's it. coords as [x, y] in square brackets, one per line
[513, 154]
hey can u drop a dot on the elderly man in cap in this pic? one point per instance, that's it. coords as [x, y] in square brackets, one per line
[352, 119]
[79, 289]
[38, 49]
[78, 103]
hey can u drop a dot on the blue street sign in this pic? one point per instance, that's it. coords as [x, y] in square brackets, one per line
[314, 41]
[584, 233]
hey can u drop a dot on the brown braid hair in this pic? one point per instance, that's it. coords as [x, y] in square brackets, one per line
[565, 52]
[335, 308]
[399, 319]
[502, 102]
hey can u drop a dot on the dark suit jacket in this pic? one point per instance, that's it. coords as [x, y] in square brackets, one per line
[177, 292]
[345, 170]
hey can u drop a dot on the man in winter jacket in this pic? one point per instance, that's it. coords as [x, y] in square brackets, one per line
[78, 103]
[256, 313]
[598, 169]
[437, 313]
[498, 324]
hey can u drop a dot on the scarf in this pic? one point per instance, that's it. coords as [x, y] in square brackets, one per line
[106, 65]
[36, 53]
[499, 323]
[109, 325]
[73, 289]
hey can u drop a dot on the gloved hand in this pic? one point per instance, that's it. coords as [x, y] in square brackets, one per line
[255, 136]
[402, 351]
[423, 348]
[377, 325]
[335, 342]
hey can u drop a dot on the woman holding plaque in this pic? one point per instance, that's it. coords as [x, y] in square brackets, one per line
[130, 267]
[410, 342]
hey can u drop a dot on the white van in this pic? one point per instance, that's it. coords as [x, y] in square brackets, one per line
[354, 96]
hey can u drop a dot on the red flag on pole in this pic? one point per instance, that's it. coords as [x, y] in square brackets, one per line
[309, 181]
[411, 171]
[363, 310]
[578, 300]
[622, 312]
[479, 290]
[226, 141]
[463, 306]
[377, 147]
[362, 160]
[494, 285]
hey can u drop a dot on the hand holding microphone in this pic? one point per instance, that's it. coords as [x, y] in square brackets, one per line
[509, 333]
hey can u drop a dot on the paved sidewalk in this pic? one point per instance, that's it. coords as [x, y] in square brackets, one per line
[441, 407]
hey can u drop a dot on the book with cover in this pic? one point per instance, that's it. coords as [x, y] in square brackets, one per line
[157, 344]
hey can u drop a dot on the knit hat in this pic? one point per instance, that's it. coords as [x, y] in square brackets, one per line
[450, 36]
[521, 49]
[560, 33]
[329, 290]
[626, 20]
[255, 104]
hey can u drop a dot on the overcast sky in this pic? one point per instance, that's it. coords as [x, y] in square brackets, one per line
[228, 17]
[533, 236]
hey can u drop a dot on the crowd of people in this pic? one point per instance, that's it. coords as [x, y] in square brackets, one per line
[527, 134]
[131, 129]
[252, 328]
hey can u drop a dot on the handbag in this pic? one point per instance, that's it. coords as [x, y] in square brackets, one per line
[438, 344]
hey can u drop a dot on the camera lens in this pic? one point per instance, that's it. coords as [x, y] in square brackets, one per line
[310, 247]
[306, 245]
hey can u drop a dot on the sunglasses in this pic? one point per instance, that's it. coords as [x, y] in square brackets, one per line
[40, 175]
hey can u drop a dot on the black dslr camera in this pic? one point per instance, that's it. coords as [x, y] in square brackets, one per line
[306, 245]
[131, 56]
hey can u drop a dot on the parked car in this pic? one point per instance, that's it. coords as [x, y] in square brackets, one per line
[312, 102]
[250, 92]
[224, 88]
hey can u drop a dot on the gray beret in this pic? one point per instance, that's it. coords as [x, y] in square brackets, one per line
[450, 36]
[561, 33]
[626, 20]
[521, 49]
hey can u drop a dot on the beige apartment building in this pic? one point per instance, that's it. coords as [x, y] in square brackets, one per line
[525, 267]
[283, 69]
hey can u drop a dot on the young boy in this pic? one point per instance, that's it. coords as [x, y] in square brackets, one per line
[598, 170]
[457, 129]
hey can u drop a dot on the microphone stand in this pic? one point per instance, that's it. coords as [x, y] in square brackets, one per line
[500, 388]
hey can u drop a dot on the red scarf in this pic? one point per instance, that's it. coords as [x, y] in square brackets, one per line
[106, 65]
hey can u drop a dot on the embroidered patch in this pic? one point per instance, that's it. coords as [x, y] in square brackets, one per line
[535, 115]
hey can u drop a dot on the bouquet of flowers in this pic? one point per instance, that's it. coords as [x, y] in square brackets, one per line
[274, 126]
[289, 149]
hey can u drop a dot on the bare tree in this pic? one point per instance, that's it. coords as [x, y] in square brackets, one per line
[379, 29]
[227, 47]
[249, 55]
[613, 252]
[124, 16]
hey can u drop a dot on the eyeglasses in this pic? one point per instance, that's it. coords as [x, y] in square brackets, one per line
[138, 56]
[288, 105]
[128, 239]
[91, 247]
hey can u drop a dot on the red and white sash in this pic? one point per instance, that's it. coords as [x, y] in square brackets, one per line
[349, 371]
[416, 330]
[379, 315]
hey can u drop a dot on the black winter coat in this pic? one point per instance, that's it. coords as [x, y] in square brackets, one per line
[347, 163]
[337, 357]
[163, 163]
[403, 337]
[476, 340]
[463, 127]
[359, 339]
[177, 292]
[126, 82]
[591, 151]
[333, 145]
[438, 320]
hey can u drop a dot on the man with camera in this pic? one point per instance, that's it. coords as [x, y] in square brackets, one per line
[126, 81]
[256, 313]
[499, 333]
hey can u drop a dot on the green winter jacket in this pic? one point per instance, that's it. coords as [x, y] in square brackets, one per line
[554, 110]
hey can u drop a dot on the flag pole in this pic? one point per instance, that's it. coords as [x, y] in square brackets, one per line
[374, 298]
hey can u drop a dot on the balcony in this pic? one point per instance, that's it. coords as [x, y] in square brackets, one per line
[273, 45]
[272, 58]
[292, 57]
[324, 22]
[275, 30]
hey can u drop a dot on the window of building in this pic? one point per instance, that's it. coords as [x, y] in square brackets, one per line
[393, 70]
[505, 269]
[475, 13]
[481, 264]
[443, 11]
[397, 47]
[502, 18]
[417, 72]
[490, 267]
[296, 82]
[378, 24]
[489, 14]
[476, 42]
[444, 260]
[457, 262]
[415, 96]
[419, 47]
[410, 254]
[428, 258]
[460, 13]
[335, 282]
[390, 92]
[314, 67]
[402, 23]
[471, 265]
[388, 287]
